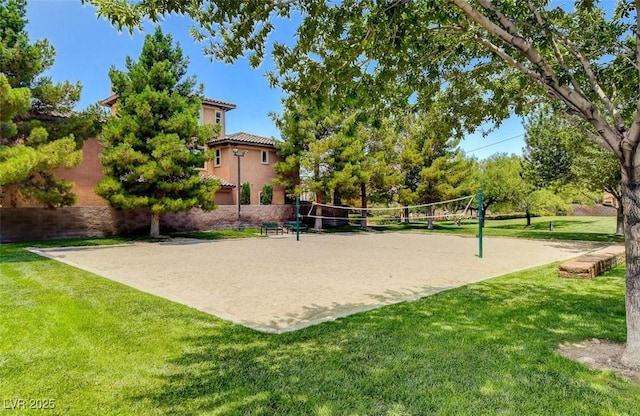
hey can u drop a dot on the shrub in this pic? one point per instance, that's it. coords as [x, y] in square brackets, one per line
[267, 195]
[245, 194]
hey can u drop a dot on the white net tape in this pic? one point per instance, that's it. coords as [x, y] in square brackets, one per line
[451, 209]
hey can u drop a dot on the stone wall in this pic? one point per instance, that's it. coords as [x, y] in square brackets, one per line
[27, 224]
[595, 210]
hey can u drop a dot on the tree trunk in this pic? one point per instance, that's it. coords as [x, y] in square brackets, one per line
[484, 214]
[406, 215]
[528, 218]
[317, 225]
[631, 209]
[620, 220]
[430, 212]
[318, 221]
[155, 225]
[363, 196]
[337, 197]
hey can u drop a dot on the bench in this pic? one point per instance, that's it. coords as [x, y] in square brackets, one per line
[271, 226]
[593, 264]
[293, 226]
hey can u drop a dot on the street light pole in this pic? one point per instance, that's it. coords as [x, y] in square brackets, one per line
[239, 153]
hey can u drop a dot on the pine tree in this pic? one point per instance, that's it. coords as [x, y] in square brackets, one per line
[154, 142]
[434, 167]
[39, 131]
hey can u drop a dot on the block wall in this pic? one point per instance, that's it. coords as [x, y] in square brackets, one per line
[27, 224]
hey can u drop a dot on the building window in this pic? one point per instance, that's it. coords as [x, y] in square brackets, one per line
[265, 157]
[218, 158]
[198, 150]
[218, 117]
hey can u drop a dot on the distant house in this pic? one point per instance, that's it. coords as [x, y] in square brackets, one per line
[256, 167]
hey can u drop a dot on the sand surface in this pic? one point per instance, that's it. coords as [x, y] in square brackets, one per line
[278, 284]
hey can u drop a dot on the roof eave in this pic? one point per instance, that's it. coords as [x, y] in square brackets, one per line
[109, 101]
[217, 103]
[239, 143]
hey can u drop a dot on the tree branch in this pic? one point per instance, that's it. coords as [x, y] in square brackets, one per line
[554, 44]
[593, 137]
[547, 76]
[591, 76]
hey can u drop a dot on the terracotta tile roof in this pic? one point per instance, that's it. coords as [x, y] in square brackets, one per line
[223, 182]
[219, 103]
[244, 138]
[225, 105]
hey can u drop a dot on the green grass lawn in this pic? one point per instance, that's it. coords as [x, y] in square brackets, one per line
[97, 347]
[565, 228]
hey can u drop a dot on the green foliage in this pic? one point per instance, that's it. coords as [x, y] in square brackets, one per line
[21, 61]
[432, 165]
[152, 145]
[501, 181]
[39, 132]
[382, 143]
[266, 197]
[412, 159]
[245, 193]
[484, 61]
[548, 202]
[547, 157]
[321, 143]
[13, 101]
[558, 154]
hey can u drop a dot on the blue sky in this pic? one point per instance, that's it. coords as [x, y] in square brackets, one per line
[86, 47]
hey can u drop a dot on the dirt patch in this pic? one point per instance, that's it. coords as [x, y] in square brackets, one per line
[599, 355]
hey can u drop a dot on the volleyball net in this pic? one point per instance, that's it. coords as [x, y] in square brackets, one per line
[452, 210]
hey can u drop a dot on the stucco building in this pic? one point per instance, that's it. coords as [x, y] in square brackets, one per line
[256, 166]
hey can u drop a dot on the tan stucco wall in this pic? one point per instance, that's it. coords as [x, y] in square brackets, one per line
[252, 170]
[209, 117]
[89, 172]
[86, 175]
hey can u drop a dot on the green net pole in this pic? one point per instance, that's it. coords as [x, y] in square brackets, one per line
[480, 214]
[297, 218]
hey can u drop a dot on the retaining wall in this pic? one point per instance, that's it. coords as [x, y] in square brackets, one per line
[26, 224]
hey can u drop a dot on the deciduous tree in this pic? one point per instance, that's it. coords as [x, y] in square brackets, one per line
[558, 154]
[500, 180]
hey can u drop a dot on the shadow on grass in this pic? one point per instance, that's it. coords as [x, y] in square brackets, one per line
[481, 349]
[539, 225]
[219, 234]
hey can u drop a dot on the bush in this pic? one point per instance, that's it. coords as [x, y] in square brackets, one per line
[267, 195]
[245, 194]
